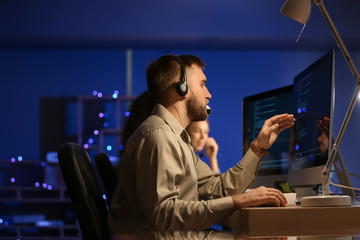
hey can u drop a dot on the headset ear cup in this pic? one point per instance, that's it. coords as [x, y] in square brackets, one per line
[181, 88]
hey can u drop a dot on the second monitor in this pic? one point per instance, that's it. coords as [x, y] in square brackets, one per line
[256, 109]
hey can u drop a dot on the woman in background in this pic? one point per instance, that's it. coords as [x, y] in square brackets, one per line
[202, 143]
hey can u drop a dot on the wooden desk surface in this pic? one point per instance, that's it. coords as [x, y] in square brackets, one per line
[296, 221]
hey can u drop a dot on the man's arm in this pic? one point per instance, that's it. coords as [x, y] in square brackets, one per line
[234, 181]
[238, 178]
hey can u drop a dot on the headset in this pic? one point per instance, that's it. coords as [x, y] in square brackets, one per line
[181, 86]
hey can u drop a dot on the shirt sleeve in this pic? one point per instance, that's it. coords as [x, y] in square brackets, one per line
[234, 181]
[160, 176]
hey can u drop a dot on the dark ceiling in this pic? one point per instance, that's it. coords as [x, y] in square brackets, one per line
[200, 24]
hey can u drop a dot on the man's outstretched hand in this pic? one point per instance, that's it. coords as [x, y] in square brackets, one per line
[272, 128]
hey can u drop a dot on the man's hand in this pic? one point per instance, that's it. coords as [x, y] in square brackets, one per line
[272, 128]
[259, 196]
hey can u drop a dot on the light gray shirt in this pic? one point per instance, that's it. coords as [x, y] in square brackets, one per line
[163, 185]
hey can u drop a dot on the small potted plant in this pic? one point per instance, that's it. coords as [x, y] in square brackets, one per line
[288, 191]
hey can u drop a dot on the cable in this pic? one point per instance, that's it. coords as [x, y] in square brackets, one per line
[343, 186]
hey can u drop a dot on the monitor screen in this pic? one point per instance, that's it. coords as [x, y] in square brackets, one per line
[313, 105]
[256, 109]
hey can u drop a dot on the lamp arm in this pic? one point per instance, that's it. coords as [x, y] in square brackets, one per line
[334, 150]
[326, 171]
[338, 40]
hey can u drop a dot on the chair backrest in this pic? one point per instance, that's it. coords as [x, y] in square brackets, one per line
[107, 173]
[85, 191]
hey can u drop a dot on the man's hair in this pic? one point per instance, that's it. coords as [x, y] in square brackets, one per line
[160, 73]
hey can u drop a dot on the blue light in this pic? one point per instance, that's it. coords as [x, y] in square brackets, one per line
[304, 109]
[44, 185]
[91, 140]
[49, 187]
[121, 147]
[104, 196]
[42, 164]
[20, 158]
[37, 184]
[127, 114]
[108, 147]
[1, 220]
[297, 147]
[12, 180]
[116, 92]
[105, 124]
[95, 93]
[114, 95]
[13, 159]
[299, 110]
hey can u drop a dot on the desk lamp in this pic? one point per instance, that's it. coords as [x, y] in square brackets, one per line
[299, 10]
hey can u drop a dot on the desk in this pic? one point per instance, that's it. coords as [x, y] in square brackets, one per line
[296, 221]
[216, 235]
[274, 223]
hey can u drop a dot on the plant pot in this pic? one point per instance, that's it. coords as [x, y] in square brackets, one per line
[291, 199]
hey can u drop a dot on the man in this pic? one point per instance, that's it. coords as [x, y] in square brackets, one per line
[163, 185]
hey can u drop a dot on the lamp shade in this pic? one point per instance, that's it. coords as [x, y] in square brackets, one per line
[298, 10]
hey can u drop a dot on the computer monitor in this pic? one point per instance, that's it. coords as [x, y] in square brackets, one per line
[256, 109]
[313, 99]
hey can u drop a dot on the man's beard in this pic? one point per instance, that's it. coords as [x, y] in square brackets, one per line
[195, 111]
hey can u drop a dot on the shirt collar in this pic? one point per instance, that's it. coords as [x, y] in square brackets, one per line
[175, 126]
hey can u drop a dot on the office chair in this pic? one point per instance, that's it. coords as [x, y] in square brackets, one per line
[85, 191]
[107, 173]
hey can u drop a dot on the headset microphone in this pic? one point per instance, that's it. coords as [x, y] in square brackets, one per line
[208, 110]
